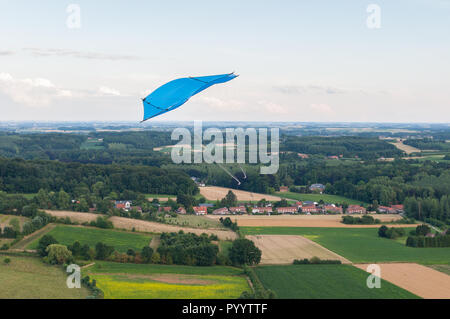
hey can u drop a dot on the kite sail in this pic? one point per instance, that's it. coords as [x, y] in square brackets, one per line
[175, 93]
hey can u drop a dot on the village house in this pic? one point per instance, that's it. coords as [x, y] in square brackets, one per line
[303, 156]
[287, 210]
[332, 209]
[355, 209]
[165, 209]
[284, 189]
[238, 210]
[221, 211]
[181, 211]
[317, 188]
[299, 204]
[310, 209]
[123, 204]
[261, 210]
[398, 208]
[387, 210]
[200, 210]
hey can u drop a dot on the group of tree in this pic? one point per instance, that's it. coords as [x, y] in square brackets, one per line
[363, 220]
[391, 232]
[187, 249]
[424, 237]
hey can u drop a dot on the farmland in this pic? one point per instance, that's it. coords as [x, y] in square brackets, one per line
[305, 220]
[360, 245]
[324, 282]
[420, 280]
[120, 240]
[193, 221]
[327, 198]
[30, 278]
[217, 193]
[120, 281]
[283, 249]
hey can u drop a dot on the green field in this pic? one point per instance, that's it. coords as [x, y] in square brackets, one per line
[325, 282]
[140, 281]
[193, 221]
[360, 245]
[30, 278]
[120, 240]
[442, 268]
[333, 199]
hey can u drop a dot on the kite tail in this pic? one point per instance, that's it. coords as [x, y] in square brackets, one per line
[231, 175]
[245, 175]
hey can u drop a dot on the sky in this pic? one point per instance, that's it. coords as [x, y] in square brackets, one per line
[316, 60]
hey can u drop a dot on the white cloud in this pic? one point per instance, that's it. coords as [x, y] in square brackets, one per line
[220, 104]
[311, 89]
[322, 108]
[272, 108]
[32, 92]
[106, 91]
[38, 52]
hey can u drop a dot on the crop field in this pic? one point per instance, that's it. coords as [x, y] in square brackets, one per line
[420, 280]
[304, 220]
[332, 199]
[30, 278]
[193, 221]
[283, 249]
[442, 268]
[325, 282]
[217, 193]
[120, 240]
[74, 216]
[119, 281]
[360, 245]
[153, 227]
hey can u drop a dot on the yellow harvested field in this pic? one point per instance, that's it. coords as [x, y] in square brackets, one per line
[405, 148]
[152, 227]
[283, 249]
[74, 216]
[306, 220]
[422, 281]
[217, 193]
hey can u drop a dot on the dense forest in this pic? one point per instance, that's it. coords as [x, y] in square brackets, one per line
[428, 144]
[20, 176]
[348, 146]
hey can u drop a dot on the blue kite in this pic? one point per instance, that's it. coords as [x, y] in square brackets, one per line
[175, 93]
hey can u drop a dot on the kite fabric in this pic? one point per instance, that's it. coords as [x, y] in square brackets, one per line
[177, 92]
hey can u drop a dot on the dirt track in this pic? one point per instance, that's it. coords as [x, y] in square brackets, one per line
[283, 249]
[305, 221]
[217, 193]
[420, 280]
